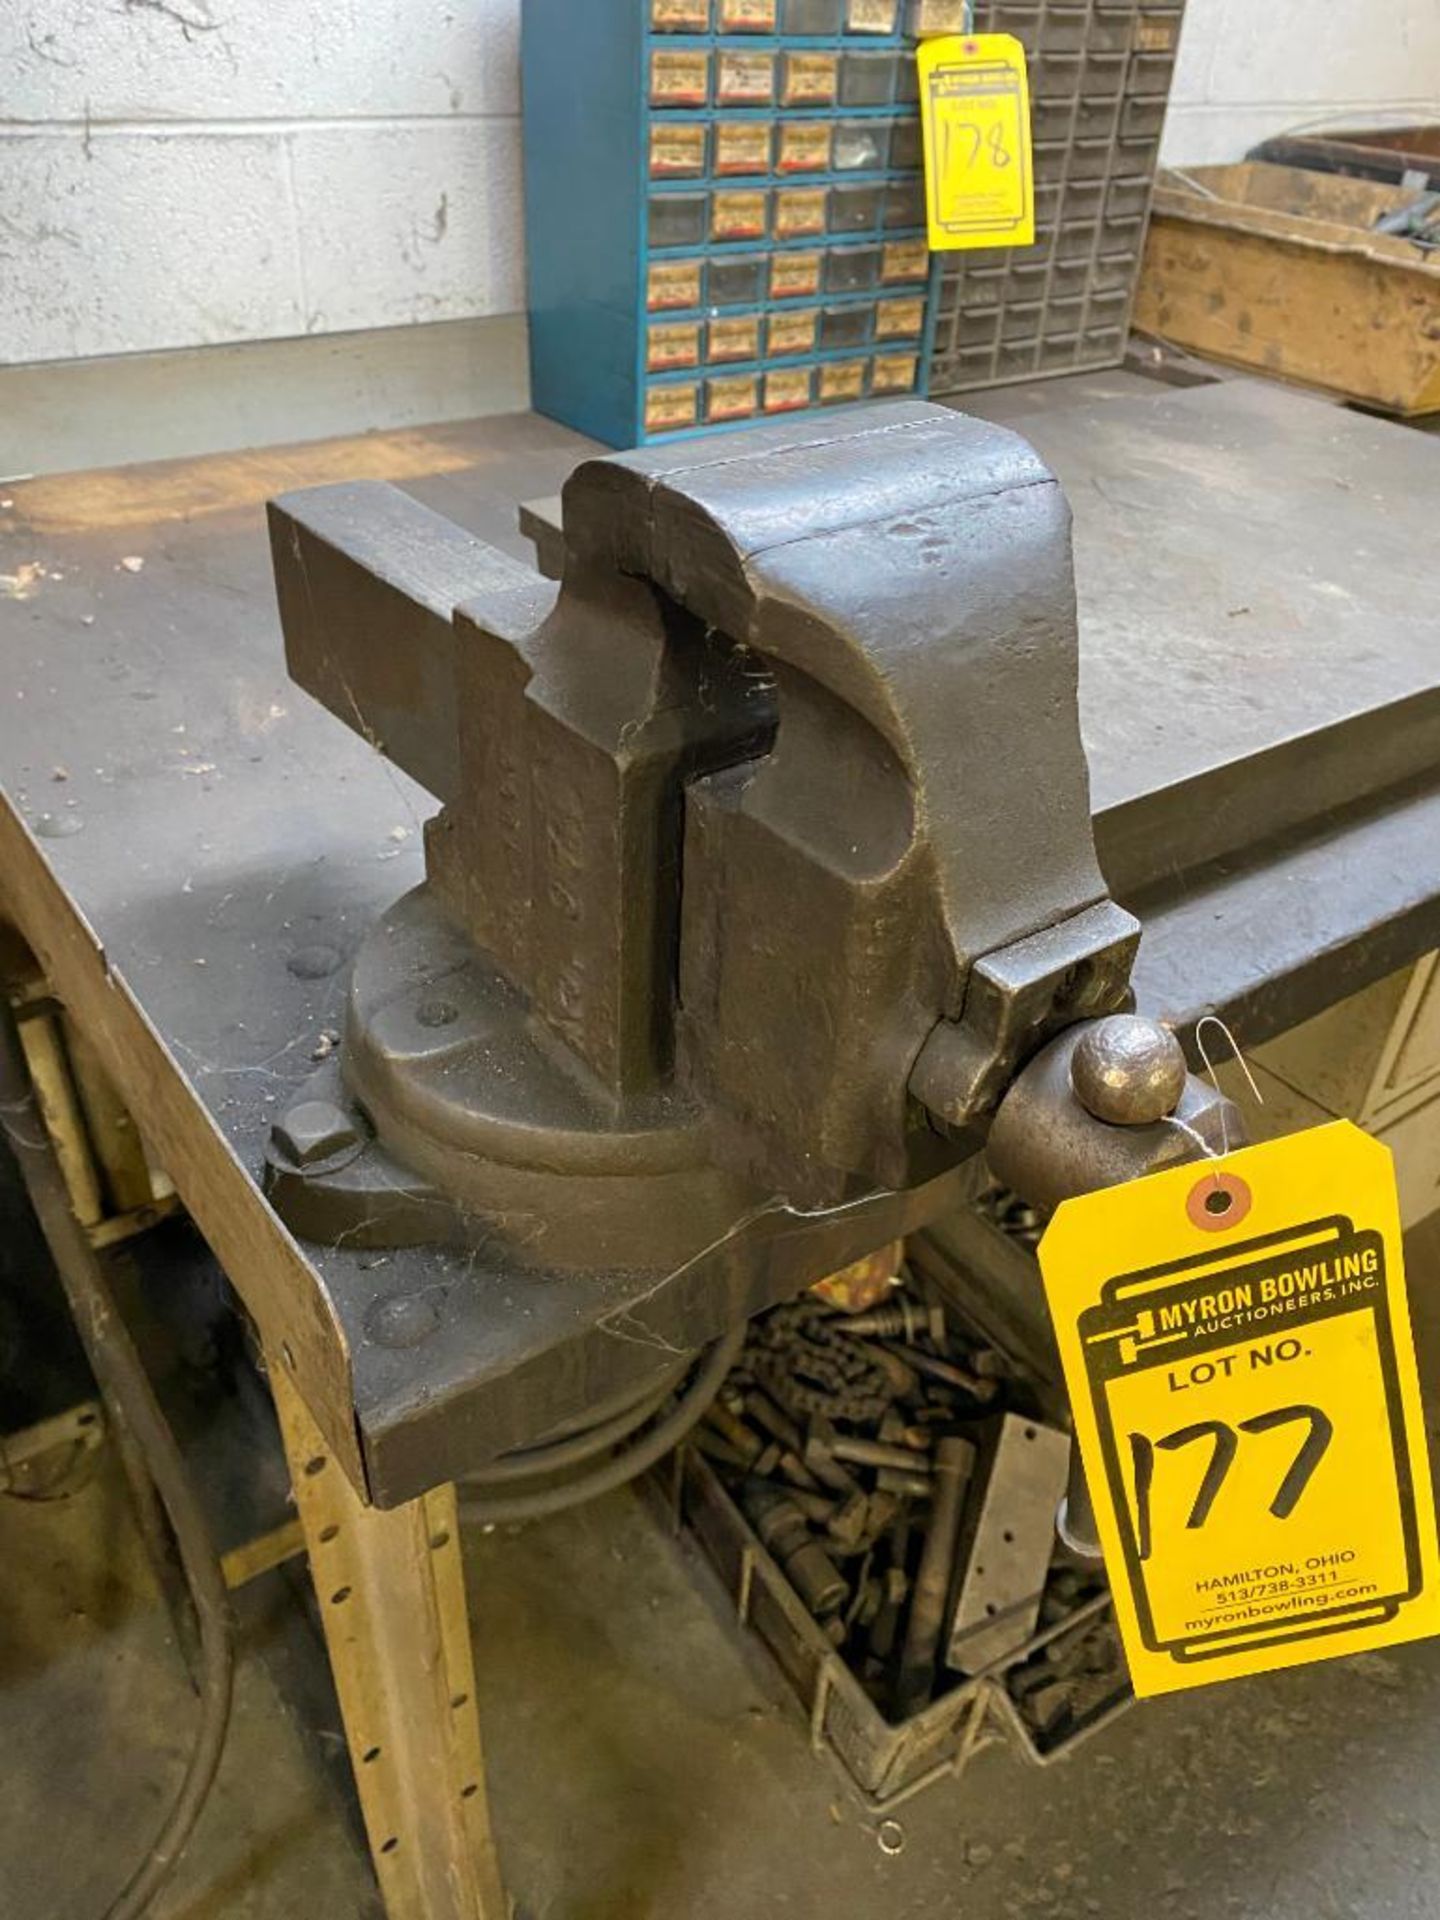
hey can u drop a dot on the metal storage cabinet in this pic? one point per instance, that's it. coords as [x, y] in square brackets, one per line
[1100, 75]
[724, 209]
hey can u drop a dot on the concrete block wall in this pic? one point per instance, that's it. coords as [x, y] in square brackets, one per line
[189, 173]
[1250, 68]
[179, 173]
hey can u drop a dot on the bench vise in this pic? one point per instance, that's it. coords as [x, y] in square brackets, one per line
[763, 866]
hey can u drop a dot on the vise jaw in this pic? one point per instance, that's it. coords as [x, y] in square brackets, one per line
[763, 859]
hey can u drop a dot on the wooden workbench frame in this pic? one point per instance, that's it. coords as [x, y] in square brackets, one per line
[390, 1589]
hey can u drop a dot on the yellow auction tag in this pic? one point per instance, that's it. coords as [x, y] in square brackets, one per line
[1236, 1343]
[979, 175]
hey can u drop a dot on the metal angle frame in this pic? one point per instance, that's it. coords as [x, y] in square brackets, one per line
[391, 1592]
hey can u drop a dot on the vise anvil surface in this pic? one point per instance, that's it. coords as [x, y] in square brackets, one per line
[1259, 691]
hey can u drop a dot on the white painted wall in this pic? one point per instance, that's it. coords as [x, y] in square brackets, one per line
[186, 172]
[179, 173]
[1250, 68]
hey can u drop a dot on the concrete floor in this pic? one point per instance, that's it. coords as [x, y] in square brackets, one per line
[96, 1716]
[647, 1763]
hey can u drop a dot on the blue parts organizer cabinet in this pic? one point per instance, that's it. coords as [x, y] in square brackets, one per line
[724, 209]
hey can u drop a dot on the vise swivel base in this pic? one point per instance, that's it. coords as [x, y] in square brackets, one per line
[763, 863]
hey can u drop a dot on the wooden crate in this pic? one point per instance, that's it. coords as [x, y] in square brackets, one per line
[1278, 269]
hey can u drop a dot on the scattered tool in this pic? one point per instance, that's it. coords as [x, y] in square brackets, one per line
[1008, 1540]
[954, 1463]
[785, 1531]
[922, 1544]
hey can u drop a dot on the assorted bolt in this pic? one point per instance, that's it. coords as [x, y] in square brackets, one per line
[708, 1442]
[906, 1320]
[1076, 1676]
[746, 1442]
[954, 1464]
[764, 1412]
[903, 1381]
[862, 1453]
[907, 1483]
[793, 1470]
[315, 1131]
[785, 1532]
[858, 1481]
[820, 1509]
[977, 1387]
[887, 1620]
[849, 1523]
[895, 1433]
[827, 1469]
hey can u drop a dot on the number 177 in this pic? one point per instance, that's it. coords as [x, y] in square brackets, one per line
[1224, 1445]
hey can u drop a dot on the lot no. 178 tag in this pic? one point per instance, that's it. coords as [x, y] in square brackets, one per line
[1237, 1348]
[975, 111]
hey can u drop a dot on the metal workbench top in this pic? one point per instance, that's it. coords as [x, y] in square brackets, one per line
[1260, 699]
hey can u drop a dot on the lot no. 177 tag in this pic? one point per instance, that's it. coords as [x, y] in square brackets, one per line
[1237, 1348]
[975, 111]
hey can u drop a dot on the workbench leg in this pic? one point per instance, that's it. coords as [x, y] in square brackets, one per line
[392, 1601]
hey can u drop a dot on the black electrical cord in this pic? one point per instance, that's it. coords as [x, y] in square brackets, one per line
[129, 1401]
[581, 1441]
[546, 1459]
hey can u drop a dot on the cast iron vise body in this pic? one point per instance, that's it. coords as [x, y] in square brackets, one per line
[763, 863]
